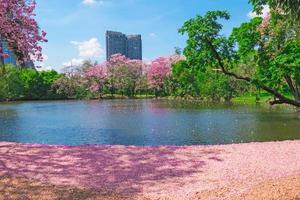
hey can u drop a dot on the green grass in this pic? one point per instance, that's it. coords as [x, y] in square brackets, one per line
[251, 98]
[263, 98]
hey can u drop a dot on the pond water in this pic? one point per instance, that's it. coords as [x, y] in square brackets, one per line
[144, 122]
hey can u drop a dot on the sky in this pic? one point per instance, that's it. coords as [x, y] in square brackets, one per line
[76, 28]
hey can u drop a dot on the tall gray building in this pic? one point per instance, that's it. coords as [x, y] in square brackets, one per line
[134, 47]
[128, 45]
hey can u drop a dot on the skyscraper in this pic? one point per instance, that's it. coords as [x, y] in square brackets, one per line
[134, 47]
[116, 42]
[128, 45]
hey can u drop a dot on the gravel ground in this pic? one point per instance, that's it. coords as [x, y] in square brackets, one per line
[239, 171]
[20, 188]
[13, 188]
[286, 188]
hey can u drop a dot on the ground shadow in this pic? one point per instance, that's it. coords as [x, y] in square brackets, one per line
[119, 169]
[24, 189]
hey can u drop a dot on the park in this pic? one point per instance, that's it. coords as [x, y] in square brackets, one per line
[218, 117]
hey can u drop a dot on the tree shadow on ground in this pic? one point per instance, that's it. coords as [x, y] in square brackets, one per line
[125, 170]
[21, 188]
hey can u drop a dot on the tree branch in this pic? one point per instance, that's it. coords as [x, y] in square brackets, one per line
[280, 97]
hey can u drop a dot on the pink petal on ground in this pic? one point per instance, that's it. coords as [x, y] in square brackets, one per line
[154, 172]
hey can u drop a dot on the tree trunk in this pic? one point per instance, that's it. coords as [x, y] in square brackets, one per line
[293, 89]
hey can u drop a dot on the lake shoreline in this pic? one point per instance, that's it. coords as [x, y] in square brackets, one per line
[238, 100]
[182, 172]
[38, 145]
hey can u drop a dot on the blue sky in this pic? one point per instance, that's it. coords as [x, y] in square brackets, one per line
[76, 28]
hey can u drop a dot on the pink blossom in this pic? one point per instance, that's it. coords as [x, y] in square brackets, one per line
[265, 23]
[20, 30]
[98, 71]
[163, 172]
[124, 73]
[160, 69]
[94, 87]
[96, 76]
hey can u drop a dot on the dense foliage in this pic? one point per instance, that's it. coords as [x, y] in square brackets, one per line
[164, 76]
[290, 7]
[118, 76]
[269, 48]
[25, 84]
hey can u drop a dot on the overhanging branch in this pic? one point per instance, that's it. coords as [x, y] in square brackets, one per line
[281, 99]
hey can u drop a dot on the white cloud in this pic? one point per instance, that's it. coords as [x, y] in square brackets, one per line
[265, 11]
[152, 34]
[41, 66]
[74, 62]
[91, 2]
[89, 49]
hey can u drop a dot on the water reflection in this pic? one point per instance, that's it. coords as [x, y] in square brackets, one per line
[144, 122]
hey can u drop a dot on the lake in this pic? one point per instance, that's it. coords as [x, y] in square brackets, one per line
[144, 122]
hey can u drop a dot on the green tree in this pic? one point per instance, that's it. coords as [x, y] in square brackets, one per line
[10, 84]
[207, 46]
[185, 79]
[37, 85]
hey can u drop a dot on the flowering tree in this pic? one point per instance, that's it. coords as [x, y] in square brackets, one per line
[160, 70]
[96, 77]
[73, 83]
[290, 7]
[135, 74]
[123, 74]
[20, 30]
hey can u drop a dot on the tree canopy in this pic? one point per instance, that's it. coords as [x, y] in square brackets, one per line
[20, 30]
[271, 45]
[291, 7]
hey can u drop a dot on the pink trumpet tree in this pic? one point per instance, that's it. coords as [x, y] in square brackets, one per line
[96, 77]
[20, 30]
[124, 74]
[160, 70]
